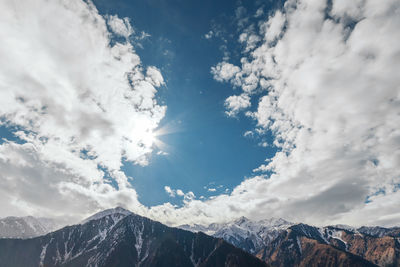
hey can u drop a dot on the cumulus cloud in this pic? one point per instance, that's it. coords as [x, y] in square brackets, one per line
[332, 103]
[250, 40]
[236, 103]
[154, 76]
[272, 28]
[82, 104]
[121, 27]
[169, 191]
[179, 192]
[224, 71]
[329, 94]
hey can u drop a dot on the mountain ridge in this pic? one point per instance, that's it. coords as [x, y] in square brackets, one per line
[114, 241]
[119, 236]
[276, 240]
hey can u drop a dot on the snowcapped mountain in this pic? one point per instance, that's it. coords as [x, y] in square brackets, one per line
[378, 231]
[117, 237]
[116, 214]
[281, 243]
[29, 226]
[26, 227]
[243, 233]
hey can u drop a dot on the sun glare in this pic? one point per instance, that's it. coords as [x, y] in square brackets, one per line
[148, 138]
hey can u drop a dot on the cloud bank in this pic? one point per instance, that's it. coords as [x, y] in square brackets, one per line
[325, 83]
[82, 105]
[326, 76]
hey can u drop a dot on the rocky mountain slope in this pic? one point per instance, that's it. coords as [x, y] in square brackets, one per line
[119, 238]
[26, 227]
[281, 243]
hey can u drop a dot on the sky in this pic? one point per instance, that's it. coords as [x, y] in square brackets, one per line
[201, 111]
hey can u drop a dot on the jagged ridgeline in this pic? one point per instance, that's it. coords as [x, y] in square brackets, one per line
[119, 238]
[281, 243]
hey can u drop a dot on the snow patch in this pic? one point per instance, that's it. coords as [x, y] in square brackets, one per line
[117, 213]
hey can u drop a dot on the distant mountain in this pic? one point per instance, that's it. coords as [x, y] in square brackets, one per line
[304, 245]
[378, 231]
[281, 243]
[26, 227]
[120, 238]
[243, 233]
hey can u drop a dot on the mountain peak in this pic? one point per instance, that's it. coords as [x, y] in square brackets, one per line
[275, 222]
[119, 211]
[241, 220]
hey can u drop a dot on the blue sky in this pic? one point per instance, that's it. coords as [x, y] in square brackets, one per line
[205, 147]
[282, 108]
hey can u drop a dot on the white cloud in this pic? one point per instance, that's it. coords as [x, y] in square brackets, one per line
[259, 12]
[119, 26]
[248, 134]
[236, 103]
[209, 35]
[80, 103]
[331, 99]
[189, 196]
[332, 102]
[272, 28]
[154, 76]
[224, 71]
[211, 189]
[250, 40]
[179, 192]
[162, 153]
[169, 191]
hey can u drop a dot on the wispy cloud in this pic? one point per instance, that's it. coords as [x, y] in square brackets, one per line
[169, 191]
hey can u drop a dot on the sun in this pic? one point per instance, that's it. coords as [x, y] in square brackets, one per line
[148, 138]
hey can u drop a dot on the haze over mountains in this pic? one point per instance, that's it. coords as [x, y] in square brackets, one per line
[25, 227]
[117, 237]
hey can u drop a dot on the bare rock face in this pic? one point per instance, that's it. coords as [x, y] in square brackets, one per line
[303, 245]
[317, 254]
[381, 250]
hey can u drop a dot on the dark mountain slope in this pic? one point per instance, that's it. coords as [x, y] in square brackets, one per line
[122, 240]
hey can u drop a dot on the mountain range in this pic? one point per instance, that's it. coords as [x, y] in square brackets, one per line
[25, 227]
[281, 243]
[117, 237]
